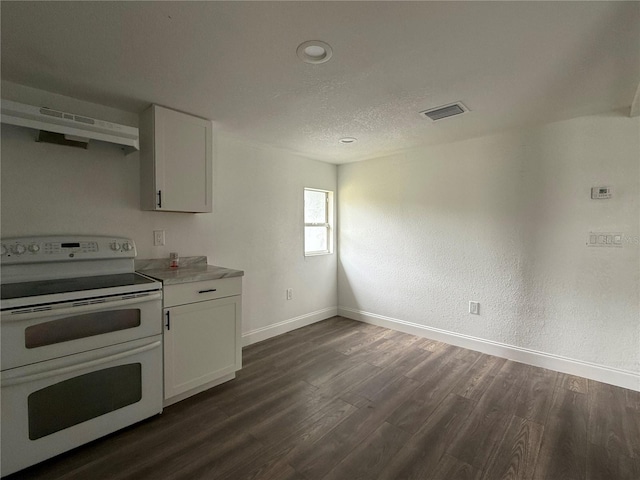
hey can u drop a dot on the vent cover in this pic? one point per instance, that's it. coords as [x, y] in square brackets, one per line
[445, 111]
[60, 139]
[66, 128]
[67, 116]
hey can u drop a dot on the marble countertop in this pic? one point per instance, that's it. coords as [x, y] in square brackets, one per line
[191, 269]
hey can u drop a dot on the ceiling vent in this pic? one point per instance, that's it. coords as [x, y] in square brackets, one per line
[445, 111]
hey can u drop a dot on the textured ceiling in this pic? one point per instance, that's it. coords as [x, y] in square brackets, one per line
[511, 63]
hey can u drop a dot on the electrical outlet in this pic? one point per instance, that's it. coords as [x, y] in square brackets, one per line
[158, 238]
[289, 293]
[474, 308]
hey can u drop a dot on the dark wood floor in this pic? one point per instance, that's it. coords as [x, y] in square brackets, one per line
[345, 400]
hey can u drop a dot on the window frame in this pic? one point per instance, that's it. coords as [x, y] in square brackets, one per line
[328, 224]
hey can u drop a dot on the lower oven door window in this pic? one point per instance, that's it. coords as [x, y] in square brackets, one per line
[82, 398]
[54, 406]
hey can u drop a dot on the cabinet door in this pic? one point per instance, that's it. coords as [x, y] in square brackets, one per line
[200, 343]
[183, 161]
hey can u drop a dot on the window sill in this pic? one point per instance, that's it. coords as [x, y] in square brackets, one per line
[316, 254]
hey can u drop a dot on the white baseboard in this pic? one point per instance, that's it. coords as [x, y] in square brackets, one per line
[285, 326]
[201, 388]
[600, 373]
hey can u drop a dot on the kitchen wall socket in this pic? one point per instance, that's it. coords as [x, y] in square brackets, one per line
[289, 293]
[474, 308]
[158, 238]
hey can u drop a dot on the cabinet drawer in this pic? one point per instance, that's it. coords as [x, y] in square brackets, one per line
[201, 291]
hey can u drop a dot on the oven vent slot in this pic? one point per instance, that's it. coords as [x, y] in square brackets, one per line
[41, 309]
[88, 302]
[135, 295]
[30, 310]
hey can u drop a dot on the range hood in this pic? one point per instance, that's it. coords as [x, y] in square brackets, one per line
[74, 128]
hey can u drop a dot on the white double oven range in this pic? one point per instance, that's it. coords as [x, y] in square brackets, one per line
[81, 344]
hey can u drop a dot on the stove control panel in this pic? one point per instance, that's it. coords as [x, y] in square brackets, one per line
[64, 248]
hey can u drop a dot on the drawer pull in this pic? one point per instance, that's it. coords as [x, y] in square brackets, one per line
[207, 291]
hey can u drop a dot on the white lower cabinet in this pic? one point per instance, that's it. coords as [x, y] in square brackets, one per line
[202, 339]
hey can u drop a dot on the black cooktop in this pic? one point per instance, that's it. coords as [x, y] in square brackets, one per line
[66, 285]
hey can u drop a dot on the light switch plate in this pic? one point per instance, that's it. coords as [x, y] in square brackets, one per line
[158, 238]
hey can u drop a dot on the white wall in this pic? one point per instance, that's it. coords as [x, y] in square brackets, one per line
[256, 225]
[258, 214]
[502, 220]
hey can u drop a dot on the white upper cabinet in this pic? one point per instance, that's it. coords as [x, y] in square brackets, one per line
[176, 161]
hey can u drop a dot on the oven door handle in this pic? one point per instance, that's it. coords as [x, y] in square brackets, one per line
[79, 366]
[26, 313]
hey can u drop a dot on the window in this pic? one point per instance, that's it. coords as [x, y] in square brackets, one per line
[318, 220]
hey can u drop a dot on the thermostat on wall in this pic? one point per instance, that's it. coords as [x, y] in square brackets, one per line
[605, 239]
[600, 193]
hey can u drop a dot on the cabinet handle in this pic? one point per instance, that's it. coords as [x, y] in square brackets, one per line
[159, 198]
[207, 291]
[168, 324]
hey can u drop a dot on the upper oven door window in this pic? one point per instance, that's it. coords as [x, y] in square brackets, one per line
[80, 326]
[37, 335]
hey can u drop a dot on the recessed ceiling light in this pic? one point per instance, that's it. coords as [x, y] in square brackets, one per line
[314, 51]
[348, 140]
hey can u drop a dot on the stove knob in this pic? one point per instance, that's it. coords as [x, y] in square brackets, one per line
[34, 248]
[18, 249]
[127, 246]
[3, 250]
[115, 246]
